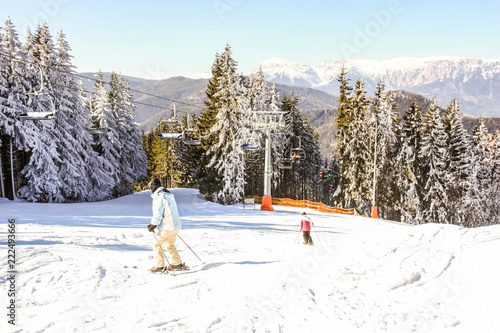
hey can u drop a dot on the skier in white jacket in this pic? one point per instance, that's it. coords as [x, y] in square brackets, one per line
[166, 219]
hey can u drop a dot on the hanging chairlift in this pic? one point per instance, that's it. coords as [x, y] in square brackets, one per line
[44, 99]
[326, 174]
[190, 135]
[284, 163]
[297, 154]
[173, 127]
[252, 142]
[170, 136]
[95, 130]
[250, 146]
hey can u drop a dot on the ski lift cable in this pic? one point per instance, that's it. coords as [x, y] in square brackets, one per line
[9, 57]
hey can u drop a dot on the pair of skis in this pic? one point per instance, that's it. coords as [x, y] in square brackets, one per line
[166, 269]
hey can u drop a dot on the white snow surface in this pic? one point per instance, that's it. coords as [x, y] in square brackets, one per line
[362, 275]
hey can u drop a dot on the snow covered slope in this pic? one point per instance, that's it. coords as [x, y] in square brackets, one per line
[475, 82]
[362, 275]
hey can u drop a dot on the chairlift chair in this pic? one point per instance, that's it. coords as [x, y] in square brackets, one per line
[43, 98]
[48, 103]
[298, 154]
[250, 146]
[97, 131]
[191, 136]
[170, 136]
[326, 174]
[251, 143]
[173, 127]
[284, 163]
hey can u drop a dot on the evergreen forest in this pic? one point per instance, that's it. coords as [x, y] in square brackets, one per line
[60, 143]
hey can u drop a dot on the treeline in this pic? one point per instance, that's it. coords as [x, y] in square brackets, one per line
[219, 166]
[58, 144]
[418, 169]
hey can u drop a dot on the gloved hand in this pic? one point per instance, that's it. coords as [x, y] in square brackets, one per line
[151, 227]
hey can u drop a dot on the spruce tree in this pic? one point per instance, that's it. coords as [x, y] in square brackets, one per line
[131, 161]
[105, 144]
[343, 195]
[74, 142]
[494, 197]
[16, 137]
[208, 177]
[99, 179]
[43, 182]
[385, 151]
[478, 197]
[459, 162]
[433, 157]
[227, 157]
[361, 158]
[408, 174]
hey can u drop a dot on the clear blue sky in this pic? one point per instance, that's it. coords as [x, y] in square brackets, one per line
[155, 39]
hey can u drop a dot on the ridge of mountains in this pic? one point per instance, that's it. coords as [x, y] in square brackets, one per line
[474, 82]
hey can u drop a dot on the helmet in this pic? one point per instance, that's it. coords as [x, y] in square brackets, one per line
[154, 184]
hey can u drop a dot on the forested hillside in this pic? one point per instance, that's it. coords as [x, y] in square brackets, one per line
[59, 142]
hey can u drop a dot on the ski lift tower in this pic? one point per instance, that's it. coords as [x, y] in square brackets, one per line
[267, 122]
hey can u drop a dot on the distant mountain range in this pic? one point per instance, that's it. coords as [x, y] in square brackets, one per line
[474, 82]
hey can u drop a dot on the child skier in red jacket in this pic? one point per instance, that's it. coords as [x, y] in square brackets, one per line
[305, 226]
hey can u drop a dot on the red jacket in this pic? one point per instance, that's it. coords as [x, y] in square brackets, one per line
[305, 225]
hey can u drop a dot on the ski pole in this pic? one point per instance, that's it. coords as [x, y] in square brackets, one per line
[295, 241]
[190, 249]
[164, 255]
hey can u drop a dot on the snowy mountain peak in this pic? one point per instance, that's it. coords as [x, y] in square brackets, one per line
[473, 81]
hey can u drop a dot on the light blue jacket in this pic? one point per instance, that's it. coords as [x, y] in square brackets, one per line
[165, 214]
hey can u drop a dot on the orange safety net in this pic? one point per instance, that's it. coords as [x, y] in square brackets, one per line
[308, 204]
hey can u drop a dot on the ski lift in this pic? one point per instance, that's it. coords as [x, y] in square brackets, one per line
[170, 136]
[326, 174]
[250, 146]
[284, 163]
[172, 126]
[95, 130]
[37, 115]
[190, 135]
[252, 142]
[298, 154]
[43, 99]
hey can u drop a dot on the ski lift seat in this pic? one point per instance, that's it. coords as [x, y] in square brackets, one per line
[171, 136]
[191, 137]
[250, 146]
[284, 163]
[37, 116]
[298, 154]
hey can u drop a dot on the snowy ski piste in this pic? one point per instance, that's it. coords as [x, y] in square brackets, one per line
[84, 267]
